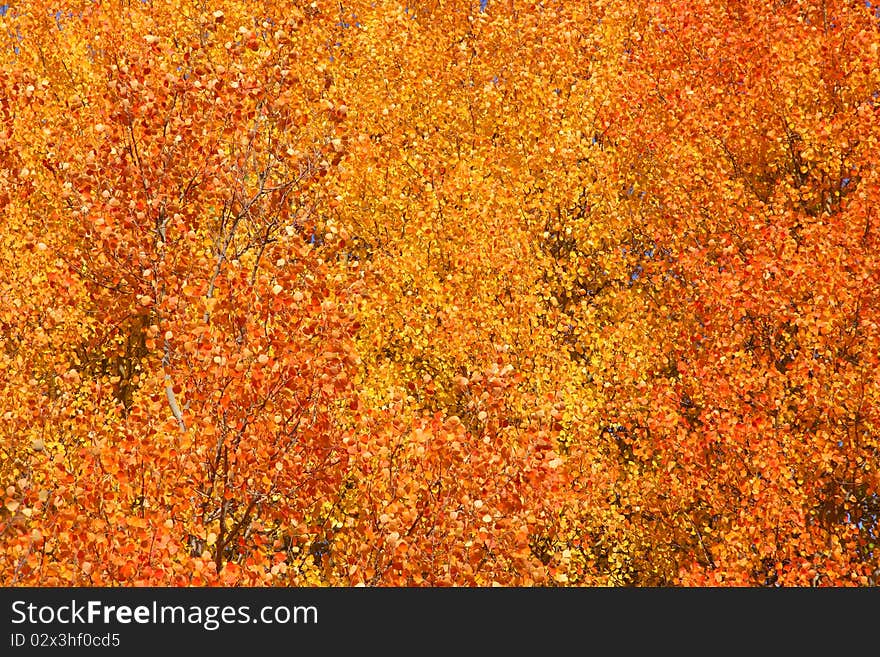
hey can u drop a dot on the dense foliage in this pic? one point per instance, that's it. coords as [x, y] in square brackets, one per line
[337, 293]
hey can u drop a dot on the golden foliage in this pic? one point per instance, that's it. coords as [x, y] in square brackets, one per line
[332, 294]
